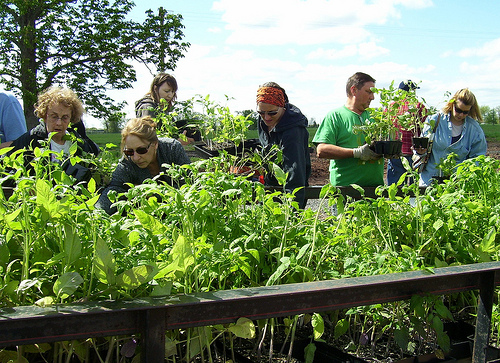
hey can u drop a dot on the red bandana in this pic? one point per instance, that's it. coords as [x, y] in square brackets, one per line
[271, 95]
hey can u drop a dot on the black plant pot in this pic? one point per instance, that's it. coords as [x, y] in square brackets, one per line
[386, 148]
[249, 145]
[420, 142]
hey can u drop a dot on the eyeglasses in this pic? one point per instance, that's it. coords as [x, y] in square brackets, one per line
[55, 117]
[458, 110]
[269, 113]
[141, 150]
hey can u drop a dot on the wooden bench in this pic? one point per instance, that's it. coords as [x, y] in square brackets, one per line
[151, 317]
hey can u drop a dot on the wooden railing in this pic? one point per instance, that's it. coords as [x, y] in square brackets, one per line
[151, 317]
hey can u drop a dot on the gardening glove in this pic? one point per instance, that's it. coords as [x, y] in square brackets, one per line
[365, 153]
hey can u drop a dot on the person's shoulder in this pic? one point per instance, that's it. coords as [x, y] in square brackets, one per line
[7, 96]
[168, 141]
[145, 102]
[335, 112]
[473, 123]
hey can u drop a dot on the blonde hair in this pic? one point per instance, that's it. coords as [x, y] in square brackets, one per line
[467, 98]
[144, 128]
[58, 95]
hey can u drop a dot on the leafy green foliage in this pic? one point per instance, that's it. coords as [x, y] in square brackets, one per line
[221, 231]
[87, 45]
[400, 110]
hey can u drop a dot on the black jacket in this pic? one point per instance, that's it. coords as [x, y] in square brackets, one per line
[291, 135]
[36, 135]
[34, 138]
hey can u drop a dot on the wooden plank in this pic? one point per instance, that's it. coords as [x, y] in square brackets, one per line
[30, 324]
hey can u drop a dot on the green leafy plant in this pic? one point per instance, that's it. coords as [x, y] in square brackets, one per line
[399, 109]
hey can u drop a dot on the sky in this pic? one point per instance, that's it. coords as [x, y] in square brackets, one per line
[311, 48]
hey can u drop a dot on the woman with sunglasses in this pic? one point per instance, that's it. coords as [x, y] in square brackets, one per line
[282, 124]
[457, 132]
[144, 158]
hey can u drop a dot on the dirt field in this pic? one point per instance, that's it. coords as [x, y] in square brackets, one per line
[320, 173]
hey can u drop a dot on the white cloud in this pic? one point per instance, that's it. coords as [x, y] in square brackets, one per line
[364, 50]
[262, 22]
[489, 50]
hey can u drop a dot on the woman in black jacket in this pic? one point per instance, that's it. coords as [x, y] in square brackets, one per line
[284, 125]
[60, 112]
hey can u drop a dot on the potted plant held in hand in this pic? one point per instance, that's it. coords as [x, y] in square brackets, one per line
[412, 115]
[397, 112]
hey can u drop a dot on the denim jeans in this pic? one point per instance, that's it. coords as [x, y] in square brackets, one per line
[395, 169]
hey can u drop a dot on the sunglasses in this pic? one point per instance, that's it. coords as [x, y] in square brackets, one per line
[140, 150]
[458, 110]
[269, 113]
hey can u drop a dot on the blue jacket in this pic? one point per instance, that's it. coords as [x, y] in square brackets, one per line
[291, 135]
[12, 122]
[472, 143]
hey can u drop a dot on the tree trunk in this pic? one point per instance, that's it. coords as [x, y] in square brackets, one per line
[28, 71]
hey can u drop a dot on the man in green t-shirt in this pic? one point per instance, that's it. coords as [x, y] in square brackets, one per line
[352, 161]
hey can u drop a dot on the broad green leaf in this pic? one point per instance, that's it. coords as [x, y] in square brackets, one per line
[162, 290]
[104, 263]
[303, 251]
[438, 224]
[11, 220]
[309, 352]
[443, 341]
[488, 242]
[243, 328]
[91, 185]
[245, 266]
[11, 356]
[255, 254]
[341, 327]
[46, 198]
[72, 245]
[280, 175]
[182, 253]
[285, 263]
[318, 326]
[401, 336]
[45, 301]
[135, 277]
[149, 222]
[67, 284]
[437, 324]
[170, 347]
[442, 310]
[4, 254]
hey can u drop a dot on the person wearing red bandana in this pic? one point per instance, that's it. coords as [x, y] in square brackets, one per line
[283, 124]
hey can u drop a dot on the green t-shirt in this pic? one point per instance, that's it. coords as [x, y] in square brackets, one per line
[336, 129]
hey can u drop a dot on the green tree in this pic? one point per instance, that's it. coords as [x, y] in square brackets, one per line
[87, 45]
[115, 121]
[489, 114]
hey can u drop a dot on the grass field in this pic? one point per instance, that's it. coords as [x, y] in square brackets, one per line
[491, 132]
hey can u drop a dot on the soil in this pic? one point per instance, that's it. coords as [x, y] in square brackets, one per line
[320, 174]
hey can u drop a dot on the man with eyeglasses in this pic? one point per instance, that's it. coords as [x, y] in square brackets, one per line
[283, 124]
[457, 132]
[352, 161]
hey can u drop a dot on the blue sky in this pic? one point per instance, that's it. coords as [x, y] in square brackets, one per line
[311, 47]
